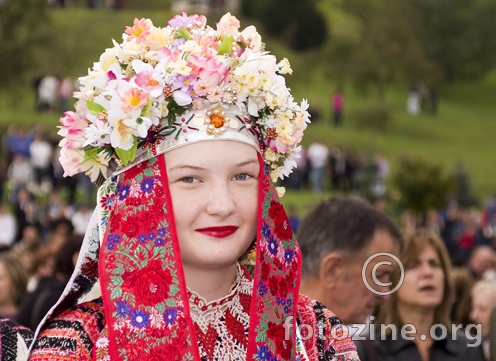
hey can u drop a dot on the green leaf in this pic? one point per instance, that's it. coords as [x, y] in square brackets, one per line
[116, 293]
[173, 290]
[226, 46]
[146, 109]
[160, 307]
[170, 302]
[148, 172]
[129, 155]
[117, 281]
[181, 33]
[91, 153]
[94, 108]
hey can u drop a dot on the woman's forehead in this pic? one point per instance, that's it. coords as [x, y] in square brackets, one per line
[212, 152]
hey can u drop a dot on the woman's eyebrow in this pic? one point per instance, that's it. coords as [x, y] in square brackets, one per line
[185, 166]
[247, 162]
[190, 166]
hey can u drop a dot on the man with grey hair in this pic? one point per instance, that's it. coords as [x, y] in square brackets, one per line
[337, 238]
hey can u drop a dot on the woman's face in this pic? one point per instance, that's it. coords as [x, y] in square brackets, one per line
[424, 281]
[214, 190]
[5, 285]
[482, 306]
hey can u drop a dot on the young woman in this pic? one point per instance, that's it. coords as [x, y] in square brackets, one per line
[192, 249]
[420, 309]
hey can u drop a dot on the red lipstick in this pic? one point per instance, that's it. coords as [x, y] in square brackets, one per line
[218, 232]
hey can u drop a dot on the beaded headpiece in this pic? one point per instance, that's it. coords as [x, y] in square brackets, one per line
[165, 87]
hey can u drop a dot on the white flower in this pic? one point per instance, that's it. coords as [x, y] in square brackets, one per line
[181, 98]
[181, 67]
[140, 124]
[97, 134]
[284, 67]
[102, 342]
[280, 191]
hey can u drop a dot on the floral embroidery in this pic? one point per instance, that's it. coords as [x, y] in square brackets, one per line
[139, 272]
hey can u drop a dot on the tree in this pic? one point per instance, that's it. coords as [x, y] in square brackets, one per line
[387, 47]
[296, 21]
[423, 186]
[464, 194]
[21, 22]
[456, 36]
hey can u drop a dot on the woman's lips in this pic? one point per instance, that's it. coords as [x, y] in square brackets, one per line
[218, 232]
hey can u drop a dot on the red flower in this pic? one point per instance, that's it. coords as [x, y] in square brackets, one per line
[149, 222]
[283, 286]
[283, 228]
[265, 272]
[150, 285]
[274, 285]
[277, 334]
[281, 222]
[107, 201]
[167, 352]
[275, 210]
[134, 352]
[171, 353]
[130, 228]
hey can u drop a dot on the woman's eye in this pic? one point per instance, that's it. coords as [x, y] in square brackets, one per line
[189, 180]
[241, 176]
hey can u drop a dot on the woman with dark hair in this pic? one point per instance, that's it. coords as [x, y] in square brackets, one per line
[193, 251]
[414, 323]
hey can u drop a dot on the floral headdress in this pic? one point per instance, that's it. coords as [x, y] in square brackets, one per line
[162, 87]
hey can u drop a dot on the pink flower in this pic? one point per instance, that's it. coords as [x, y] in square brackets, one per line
[71, 121]
[228, 25]
[133, 98]
[212, 71]
[185, 20]
[198, 103]
[181, 21]
[75, 139]
[139, 31]
[147, 79]
[70, 160]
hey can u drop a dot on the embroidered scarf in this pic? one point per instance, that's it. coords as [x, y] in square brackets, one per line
[142, 278]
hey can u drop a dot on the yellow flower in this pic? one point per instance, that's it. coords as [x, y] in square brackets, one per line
[271, 156]
[181, 67]
[284, 127]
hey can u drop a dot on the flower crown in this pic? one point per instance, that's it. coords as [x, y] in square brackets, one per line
[160, 85]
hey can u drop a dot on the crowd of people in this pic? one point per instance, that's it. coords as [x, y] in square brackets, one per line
[339, 169]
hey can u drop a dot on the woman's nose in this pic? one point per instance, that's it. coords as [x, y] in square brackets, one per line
[220, 200]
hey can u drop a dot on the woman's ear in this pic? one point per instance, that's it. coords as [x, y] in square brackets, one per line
[331, 270]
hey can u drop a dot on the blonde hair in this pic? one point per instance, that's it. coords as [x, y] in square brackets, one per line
[17, 275]
[415, 243]
[489, 285]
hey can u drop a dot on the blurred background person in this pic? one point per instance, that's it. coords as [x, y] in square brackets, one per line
[41, 152]
[483, 301]
[481, 263]
[8, 227]
[13, 285]
[424, 299]
[53, 278]
[317, 155]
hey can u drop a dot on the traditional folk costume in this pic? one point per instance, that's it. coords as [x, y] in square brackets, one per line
[146, 311]
[14, 341]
